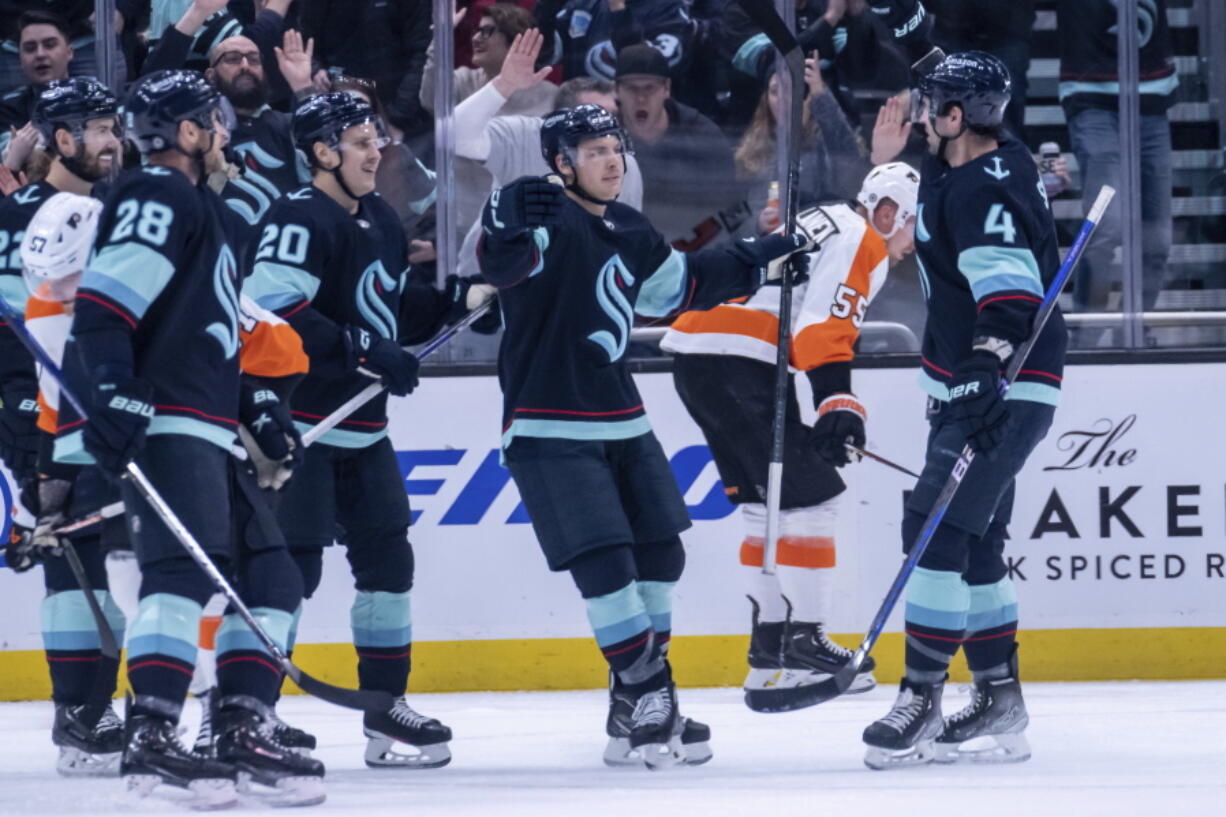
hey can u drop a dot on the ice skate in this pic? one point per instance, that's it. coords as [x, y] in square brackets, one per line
[152, 755]
[695, 736]
[655, 727]
[90, 739]
[806, 657]
[991, 729]
[907, 734]
[277, 774]
[206, 738]
[807, 649]
[405, 726]
[762, 692]
[290, 736]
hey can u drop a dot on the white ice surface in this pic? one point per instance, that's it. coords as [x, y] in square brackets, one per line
[1118, 749]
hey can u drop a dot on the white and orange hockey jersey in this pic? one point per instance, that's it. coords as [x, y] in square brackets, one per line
[845, 274]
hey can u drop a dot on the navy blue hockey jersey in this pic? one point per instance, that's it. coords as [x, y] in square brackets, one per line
[569, 297]
[16, 210]
[987, 251]
[160, 296]
[323, 269]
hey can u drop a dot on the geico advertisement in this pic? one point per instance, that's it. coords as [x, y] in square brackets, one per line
[1118, 522]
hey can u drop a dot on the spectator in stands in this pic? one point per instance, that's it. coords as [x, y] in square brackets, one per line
[45, 55]
[853, 53]
[380, 40]
[1000, 27]
[690, 193]
[1089, 93]
[832, 163]
[501, 26]
[468, 17]
[76, 19]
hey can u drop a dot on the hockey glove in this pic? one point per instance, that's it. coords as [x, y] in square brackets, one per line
[19, 428]
[120, 415]
[382, 359]
[975, 402]
[840, 422]
[268, 433]
[43, 543]
[760, 252]
[523, 204]
[467, 294]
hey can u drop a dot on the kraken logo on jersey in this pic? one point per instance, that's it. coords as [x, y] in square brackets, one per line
[616, 306]
[376, 279]
[1147, 20]
[921, 229]
[224, 273]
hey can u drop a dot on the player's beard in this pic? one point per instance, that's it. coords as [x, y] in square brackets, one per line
[247, 95]
[91, 168]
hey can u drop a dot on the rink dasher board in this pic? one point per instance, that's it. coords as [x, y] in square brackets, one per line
[1119, 526]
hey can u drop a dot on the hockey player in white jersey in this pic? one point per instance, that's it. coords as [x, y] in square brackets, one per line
[724, 371]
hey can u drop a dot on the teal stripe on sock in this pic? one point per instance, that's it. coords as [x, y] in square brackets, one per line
[165, 624]
[938, 599]
[992, 605]
[381, 619]
[234, 634]
[658, 601]
[618, 615]
[67, 622]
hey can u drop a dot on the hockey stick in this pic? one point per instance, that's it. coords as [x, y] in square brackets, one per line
[838, 683]
[370, 392]
[776, 30]
[864, 452]
[367, 700]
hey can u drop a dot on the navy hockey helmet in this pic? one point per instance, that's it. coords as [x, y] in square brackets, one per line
[70, 103]
[325, 117]
[159, 102]
[976, 81]
[563, 130]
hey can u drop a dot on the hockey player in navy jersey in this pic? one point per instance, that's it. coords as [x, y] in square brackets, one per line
[574, 268]
[987, 251]
[331, 260]
[78, 119]
[155, 356]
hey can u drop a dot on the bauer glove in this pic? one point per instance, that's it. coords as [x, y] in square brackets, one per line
[268, 433]
[120, 415]
[975, 402]
[381, 359]
[523, 204]
[840, 422]
[19, 428]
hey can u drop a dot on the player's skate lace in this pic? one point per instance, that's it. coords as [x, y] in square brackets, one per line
[831, 647]
[904, 711]
[109, 721]
[652, 709]
[971, 710]
[407, 715]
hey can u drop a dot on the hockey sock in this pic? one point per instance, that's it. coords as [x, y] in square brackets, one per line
[806, 560]
[657, 600]
[765, 590]
[623, 631]
[244, 666]
[205, 675]
[162, 653]
[72, 645]
[659, 565]
[991, 629]
[937, 604]
[383, 637]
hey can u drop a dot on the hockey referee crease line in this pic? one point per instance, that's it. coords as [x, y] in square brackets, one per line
[367, 700]
[842, 680]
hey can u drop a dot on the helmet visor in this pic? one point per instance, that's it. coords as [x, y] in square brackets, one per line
[53, 290]
[598, 149]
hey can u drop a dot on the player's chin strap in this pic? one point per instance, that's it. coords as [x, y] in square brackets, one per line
[340, 178]
[574, 187]
[202, 174]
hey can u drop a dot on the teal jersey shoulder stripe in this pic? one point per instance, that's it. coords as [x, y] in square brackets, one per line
[991, 269]
[664, 291]
[274, 285]
[130, 274]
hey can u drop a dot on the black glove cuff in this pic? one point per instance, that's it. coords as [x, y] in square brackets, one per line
[829, 379]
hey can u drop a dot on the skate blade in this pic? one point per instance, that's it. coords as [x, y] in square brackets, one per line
[381, 753]
[1004, 748]
[880, 759]
[619, 755]
[863, 683]
[74, 762]
[660, 756]
[285, 792]
[208, 794]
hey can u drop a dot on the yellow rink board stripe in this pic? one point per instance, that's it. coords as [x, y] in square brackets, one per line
[1182, 653]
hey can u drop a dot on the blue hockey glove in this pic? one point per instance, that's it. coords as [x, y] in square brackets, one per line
[381, 359]
[120, 415]
[19, 428]
[975, 402]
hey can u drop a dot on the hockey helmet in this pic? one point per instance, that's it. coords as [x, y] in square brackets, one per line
[160, 101]
[564, 129]
[57, 244]
[896, 181]
[975, 81]
[325, 117]
[71, 103]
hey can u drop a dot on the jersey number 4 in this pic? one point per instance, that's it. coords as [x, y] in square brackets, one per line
[1000, 221]
[849, 304]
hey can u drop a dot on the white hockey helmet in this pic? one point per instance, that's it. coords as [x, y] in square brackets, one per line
[57, 245]
[896, 181]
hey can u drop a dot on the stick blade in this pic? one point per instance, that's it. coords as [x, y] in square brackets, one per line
[365, 700]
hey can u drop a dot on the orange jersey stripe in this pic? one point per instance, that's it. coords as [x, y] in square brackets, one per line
[730, 320]
[272, 350]
[793, 551]
[834, 339]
